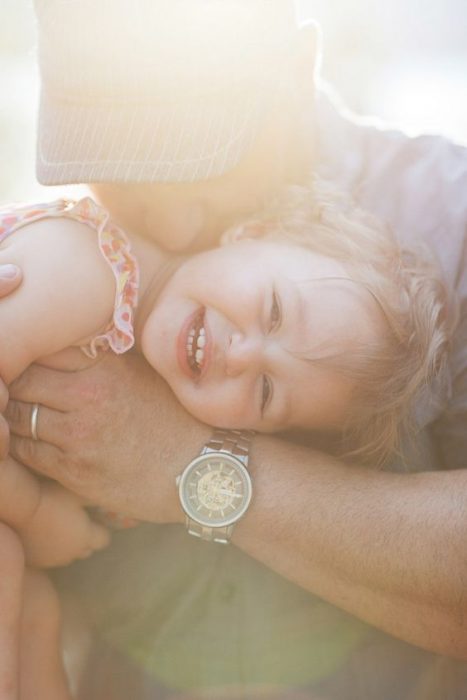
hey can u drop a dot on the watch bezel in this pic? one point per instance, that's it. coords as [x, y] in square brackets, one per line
[244, 475]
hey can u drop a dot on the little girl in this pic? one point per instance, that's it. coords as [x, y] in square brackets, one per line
[308, 318]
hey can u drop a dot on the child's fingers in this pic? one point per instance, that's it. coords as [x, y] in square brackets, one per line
[10, 277]
[99, 536]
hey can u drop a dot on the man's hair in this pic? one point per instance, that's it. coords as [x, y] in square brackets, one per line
[392, 373]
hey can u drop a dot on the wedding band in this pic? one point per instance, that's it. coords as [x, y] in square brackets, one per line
[34, 416]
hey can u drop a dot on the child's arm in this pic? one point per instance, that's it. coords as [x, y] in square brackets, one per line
[53, 524]
[61, 529]
[10, 278]
[66, 297]
[11, 598]
[67, 294]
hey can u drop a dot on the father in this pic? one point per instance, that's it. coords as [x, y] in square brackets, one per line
[186, 115]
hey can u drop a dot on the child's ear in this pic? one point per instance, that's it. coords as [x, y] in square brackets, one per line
[251, 229]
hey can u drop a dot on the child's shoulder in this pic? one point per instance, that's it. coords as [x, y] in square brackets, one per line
[15, 215]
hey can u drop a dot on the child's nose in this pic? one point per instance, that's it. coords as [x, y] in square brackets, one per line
[243, 353]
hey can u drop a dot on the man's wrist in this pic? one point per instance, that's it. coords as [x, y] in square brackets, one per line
[186, 446]
[215, 487]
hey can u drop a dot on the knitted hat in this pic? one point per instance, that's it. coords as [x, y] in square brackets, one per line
[156, 90]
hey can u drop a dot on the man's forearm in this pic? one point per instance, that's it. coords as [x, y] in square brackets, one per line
[388, 548]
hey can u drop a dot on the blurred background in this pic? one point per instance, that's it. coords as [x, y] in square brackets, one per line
[404, 61]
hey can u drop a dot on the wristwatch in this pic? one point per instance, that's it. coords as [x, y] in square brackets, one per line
[215, 488]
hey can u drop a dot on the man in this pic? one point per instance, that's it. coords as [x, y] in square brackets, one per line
[221, 131]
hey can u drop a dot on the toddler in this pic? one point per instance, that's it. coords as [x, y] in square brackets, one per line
[308, 318]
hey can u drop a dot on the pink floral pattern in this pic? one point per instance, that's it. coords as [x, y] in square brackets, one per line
[115, 248]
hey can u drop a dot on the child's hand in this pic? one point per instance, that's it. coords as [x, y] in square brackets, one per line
[61, 530]
[10, 277]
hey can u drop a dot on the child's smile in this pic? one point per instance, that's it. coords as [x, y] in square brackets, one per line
[237, 329]
[193, 345]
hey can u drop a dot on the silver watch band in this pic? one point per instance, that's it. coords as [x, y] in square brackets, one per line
[236, 443]
[220, 535]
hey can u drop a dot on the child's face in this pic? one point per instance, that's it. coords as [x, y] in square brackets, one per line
[233, 331]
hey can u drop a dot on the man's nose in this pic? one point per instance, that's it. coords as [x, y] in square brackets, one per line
[243, 353]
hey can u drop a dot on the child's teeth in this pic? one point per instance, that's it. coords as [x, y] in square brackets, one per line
[196, 341]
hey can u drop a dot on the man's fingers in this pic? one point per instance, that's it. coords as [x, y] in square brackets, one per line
[51, 461]
[4, 438]
[39, 456]
[4, 431]
[49, 387]
[42, 385]
[69, 360]
[49, 424]
[19, 417]
[3, 396]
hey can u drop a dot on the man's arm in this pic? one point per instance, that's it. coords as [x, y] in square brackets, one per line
[10, 278]
[388, 548]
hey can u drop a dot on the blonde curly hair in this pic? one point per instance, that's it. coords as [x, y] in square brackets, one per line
[408, 289]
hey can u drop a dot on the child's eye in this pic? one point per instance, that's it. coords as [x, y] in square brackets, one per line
[276, 316]
[266, 393]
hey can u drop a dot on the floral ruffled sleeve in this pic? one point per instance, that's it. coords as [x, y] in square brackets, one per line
[114, 246]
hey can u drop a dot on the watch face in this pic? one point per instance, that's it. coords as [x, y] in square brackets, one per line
[215, 489]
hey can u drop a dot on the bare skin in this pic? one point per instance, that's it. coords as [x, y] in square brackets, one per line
[10, 606]
[367, 542]
[371, 543]
[28, 603]
[42, 674]
[10, 278]
[31, 666]
[383, 566]
[192, 216]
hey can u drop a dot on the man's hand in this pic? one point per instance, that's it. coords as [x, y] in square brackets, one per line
[113, 433]
[10, 277]
[4, 432]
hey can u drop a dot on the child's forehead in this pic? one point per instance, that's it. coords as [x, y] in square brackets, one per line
[256, 250]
